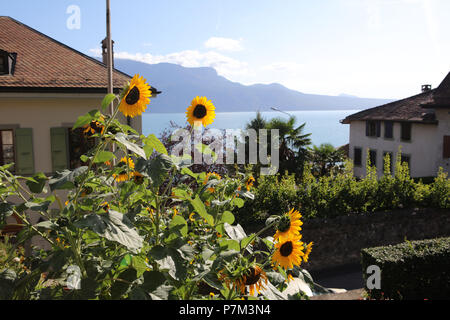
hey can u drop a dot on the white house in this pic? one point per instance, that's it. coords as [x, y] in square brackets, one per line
[419, 124]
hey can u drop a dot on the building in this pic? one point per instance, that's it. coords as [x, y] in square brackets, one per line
[420, 125]
[44, 87]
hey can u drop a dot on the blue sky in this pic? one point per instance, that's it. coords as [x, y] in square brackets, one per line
[367, 48]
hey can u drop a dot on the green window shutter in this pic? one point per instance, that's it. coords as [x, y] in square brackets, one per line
[24, 151]
[59, 148]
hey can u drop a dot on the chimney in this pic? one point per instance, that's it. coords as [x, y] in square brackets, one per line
[105, 52]
[426, 87]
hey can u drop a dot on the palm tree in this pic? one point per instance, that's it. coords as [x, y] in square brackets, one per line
[325, 158]
[293, 144]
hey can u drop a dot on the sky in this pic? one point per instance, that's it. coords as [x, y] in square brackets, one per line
[365, 48]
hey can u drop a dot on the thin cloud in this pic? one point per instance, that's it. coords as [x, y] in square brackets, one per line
[225, 66]
[224, 44]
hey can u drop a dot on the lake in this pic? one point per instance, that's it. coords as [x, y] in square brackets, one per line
[323, 125]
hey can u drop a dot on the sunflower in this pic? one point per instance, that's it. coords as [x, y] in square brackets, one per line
[288, 253]
[201, 111]
[252, 277]
[208, 176]
[94, 127]
[308, 249]
[289, 225]
[135, 98]
[249, 183]
[123, 174]
[138, 178]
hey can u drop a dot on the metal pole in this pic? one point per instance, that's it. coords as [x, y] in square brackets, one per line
[109, 50]
[109, 64]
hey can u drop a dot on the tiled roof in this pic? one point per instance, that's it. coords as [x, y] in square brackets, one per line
[441, 96]
[44, 64]
[417, 108]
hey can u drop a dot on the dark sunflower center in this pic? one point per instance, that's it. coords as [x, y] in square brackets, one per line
[199, 111]
[252, 278]
[133, 96]
[286, 249]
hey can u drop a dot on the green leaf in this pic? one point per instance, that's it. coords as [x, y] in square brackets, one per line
[200, 208]
[161, 293]
[66, 179]
[119, 288]
[37, 186]
[87, 119]
[204, 149]
[6, 209]
[238, 202]
[123, 140]
[7, 279]
[170, 260]
[152, 280]
[188, 172]
[245, 243]
[46, 225]
[227, 217]
[228, 244]
[156, 168]
[107, 100]
[126, 261]
[235, 232]
[179, 226]
[113, 226]
[152, 143]
[104, 156]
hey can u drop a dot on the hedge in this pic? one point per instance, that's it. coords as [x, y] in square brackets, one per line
[342, 194]
[410, 270]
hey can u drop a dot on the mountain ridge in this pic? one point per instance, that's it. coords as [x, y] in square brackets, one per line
[179, 85]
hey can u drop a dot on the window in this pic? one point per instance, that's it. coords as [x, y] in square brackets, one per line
[7, 154]
[406, 131]
[406, 159]
[79, 144]
[388, 129]
[373, 158]
[373, 128]
[357, 157]
[68, 146]
[446, 147]
[4, 65]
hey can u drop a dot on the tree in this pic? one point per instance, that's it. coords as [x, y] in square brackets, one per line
[325, 158]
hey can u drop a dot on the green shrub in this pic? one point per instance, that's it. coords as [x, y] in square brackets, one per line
[411, 270]
[340, 193]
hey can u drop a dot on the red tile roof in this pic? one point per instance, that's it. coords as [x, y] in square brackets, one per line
[44, 64]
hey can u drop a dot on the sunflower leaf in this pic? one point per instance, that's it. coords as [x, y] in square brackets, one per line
[86, 119]
[107, 100]
[152, 143]
[104, 156]
[122, 139]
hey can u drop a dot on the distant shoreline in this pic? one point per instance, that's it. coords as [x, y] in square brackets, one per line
[242, 111]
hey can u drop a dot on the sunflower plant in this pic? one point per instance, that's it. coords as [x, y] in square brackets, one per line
[135, 223]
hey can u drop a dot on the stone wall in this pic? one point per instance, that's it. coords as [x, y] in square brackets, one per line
[338, 241]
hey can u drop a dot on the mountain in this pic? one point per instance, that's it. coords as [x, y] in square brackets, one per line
[179, 85]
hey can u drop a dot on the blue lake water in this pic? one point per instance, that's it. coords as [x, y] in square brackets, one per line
[323, 125]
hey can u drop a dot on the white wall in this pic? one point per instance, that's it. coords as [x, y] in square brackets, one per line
[44, 111]
[422, 149]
